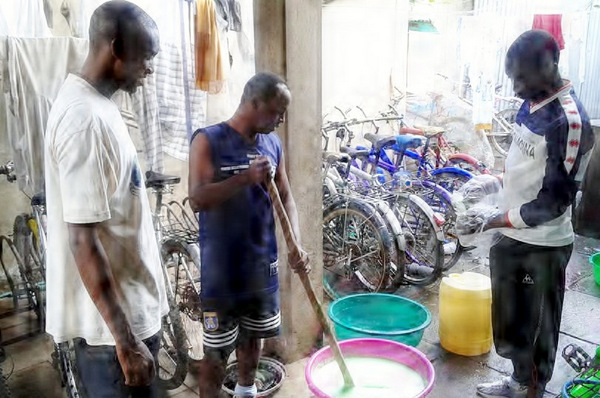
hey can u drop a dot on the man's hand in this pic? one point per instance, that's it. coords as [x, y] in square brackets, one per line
[479, 187]
[137, 363]
[259, 171]
[299, 261]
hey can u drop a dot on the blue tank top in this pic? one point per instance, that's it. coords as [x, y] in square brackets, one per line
[238, 249]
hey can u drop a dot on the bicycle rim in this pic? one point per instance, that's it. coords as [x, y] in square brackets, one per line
[424, 252]
[68, 369]
[356, 250]
[502, 130]
[184, 277]
[172, 355]
[440, 204]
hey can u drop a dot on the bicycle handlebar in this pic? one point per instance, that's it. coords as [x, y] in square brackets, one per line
[345, 123]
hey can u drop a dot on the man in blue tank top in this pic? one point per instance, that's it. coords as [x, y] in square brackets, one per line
[230, 166]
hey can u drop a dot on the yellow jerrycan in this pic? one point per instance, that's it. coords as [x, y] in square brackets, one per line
[465, 303]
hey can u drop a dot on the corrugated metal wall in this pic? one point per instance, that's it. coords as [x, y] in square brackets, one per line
[508, 9]
[590, 89]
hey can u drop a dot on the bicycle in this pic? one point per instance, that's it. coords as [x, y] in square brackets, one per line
[587, 382]
[418, 236]
[432, 184]
[177, 235]
[26, 249]
[503, 120]
[30, 233]
[445, 153]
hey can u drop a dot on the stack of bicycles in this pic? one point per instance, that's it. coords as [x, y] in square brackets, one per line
[388, 216]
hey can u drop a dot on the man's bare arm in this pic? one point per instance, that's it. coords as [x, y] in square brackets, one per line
[96, 274]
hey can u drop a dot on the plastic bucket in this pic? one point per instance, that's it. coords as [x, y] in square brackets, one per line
[373, 348]
[465, 309]
[378, 315]
[595, 261]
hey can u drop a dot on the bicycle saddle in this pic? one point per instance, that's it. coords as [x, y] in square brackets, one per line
[355, 153]
[380, 141]
[333, 157]
[158, 180]
[39, 199]
[408, 141]
[431, 131]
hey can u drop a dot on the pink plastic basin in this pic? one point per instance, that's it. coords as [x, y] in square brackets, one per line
[374, 348]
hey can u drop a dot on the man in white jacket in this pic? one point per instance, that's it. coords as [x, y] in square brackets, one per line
[527, 265]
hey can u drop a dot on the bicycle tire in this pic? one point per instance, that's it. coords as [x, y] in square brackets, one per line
[173, 345]
[357, 218]
[183, 269]
[32, 284]
[450, 181]
[9, 279]
[441, 204]
[65, 363]
[500, 138]
[4, 390]
[425, 256]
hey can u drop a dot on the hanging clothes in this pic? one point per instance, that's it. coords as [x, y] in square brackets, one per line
[231, 11]
[210, 70]
[19, 18]
[160, 106]
[32, 84]
[552, 23]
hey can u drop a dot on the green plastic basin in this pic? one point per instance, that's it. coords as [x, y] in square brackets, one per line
[378, 315]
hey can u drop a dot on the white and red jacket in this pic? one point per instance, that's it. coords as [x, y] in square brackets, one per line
[543, 166]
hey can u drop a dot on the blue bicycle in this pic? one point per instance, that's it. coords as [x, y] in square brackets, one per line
[435, 190]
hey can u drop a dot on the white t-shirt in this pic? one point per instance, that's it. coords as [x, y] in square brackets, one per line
[93, 176]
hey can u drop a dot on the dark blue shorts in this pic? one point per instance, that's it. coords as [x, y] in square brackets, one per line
[101, 374]
[227, 320]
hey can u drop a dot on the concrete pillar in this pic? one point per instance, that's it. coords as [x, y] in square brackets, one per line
[288, 42]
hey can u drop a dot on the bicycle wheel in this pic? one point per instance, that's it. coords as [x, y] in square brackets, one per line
[425, 256]
[183, 270]
[172, 356]
[63, 359]
[357, 248]
[502, 130]
[436, 197]
[450, 181]
[29, 268]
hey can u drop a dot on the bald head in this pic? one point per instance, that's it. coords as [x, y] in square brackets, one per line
[264, 87]
[532, 46]
[264, 101]
[123, 43]
[130, 27]
[532, 64]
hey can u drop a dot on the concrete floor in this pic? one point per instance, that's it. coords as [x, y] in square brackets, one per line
[32, 375]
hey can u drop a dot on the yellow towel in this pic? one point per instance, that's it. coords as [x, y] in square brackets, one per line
[210, 73]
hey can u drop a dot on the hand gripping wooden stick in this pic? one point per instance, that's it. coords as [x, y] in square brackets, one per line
[293, 247]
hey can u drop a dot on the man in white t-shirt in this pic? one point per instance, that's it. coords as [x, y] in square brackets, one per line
[105, 287]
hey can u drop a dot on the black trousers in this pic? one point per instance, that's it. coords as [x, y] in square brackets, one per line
[528, 288]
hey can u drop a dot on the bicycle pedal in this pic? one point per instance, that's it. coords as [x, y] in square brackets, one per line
[576, 357]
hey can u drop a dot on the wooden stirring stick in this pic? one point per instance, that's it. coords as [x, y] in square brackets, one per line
[293, 247]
